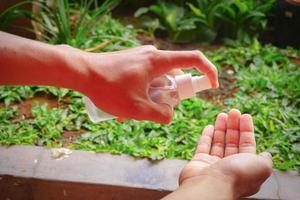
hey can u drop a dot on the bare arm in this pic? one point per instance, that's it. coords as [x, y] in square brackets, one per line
[28, 62]
[204, 188]
[116, 82]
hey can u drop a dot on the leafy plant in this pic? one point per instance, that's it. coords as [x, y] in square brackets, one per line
[244, 20]
[110, 35]
[62, 22]
[13, 12]
[233, 20]
[70, 23]
[207, 13]
[208, 20]
[15, 94]
[169, 17]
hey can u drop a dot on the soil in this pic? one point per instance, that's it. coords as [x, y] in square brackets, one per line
[164, 44]
[296, 61]
[227, 88]
[70, 136]
[25, 108]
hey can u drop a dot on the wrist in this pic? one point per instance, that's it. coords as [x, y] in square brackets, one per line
[98, 74]
[207, 187]
[220, 187]
[76, 70]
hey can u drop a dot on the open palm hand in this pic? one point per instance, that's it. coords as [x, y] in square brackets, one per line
[227, 152]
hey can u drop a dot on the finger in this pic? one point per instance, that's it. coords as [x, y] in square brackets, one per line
[247, 139]
[259, 172]
[266, 158]
[204, 143]
[266, 155]
[232, 132]
[175, 72]
[218, 142]
[168, 60]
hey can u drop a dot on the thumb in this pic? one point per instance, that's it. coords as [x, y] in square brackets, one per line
[266, 155]
[266, 158]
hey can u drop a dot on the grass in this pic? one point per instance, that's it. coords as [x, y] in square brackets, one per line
[268, 88]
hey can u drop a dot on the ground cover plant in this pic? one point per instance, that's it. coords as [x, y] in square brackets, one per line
[261, 80]
[267, 82]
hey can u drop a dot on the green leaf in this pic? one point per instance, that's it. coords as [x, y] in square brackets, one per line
[196, 11]
[141, 11]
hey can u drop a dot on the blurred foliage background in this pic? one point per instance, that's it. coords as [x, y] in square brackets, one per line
[257, 78]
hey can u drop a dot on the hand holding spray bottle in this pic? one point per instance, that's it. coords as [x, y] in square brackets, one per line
[165, 89]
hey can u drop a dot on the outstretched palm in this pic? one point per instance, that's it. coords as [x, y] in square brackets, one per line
[229, 149]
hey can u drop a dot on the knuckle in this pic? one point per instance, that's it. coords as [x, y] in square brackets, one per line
[64, 46]
[150, 52]
[150, 47]
[197, 53]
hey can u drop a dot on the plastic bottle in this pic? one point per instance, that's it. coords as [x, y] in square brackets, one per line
[165, 89]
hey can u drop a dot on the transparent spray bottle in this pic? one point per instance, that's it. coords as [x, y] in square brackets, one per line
[164, 89]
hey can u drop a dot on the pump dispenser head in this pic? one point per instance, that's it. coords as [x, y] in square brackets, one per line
[200, 83]
[188, 85]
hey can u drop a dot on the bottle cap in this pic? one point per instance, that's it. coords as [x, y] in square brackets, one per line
[187, 85]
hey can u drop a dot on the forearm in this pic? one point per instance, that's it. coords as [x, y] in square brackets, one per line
[28, 62]
[206, 189]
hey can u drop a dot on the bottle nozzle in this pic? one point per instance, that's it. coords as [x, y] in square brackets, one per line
[188, 85]
[200, 83]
